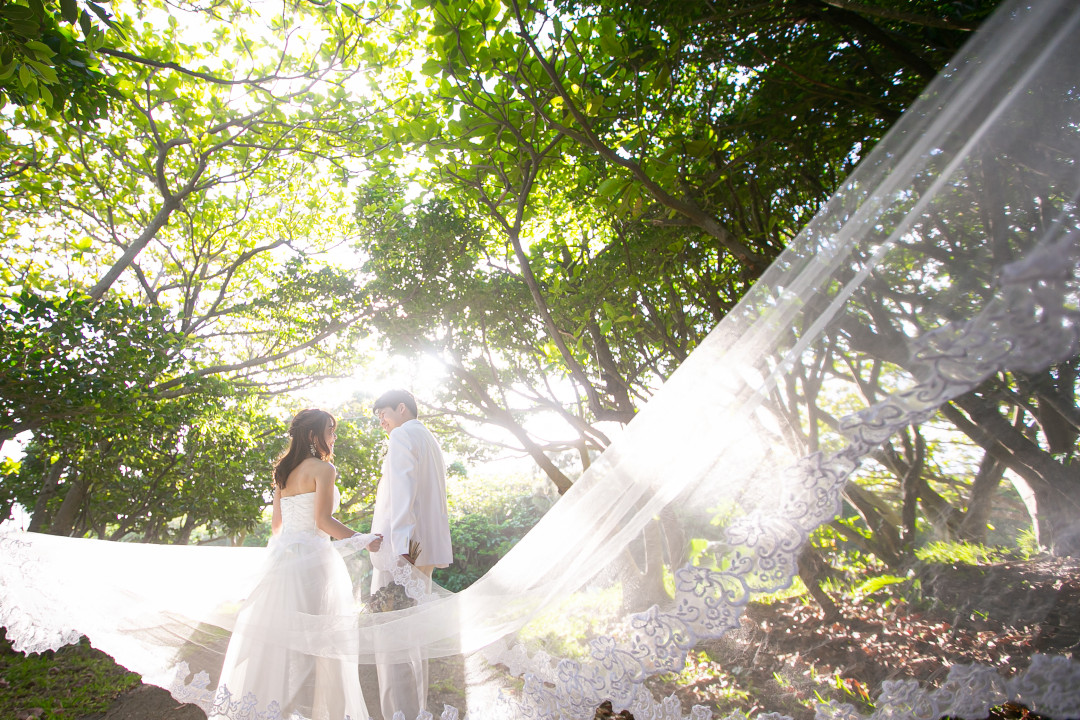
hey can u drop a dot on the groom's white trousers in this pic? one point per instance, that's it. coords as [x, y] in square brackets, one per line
[402, 686]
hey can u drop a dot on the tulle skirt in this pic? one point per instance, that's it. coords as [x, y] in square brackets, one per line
[266, 671]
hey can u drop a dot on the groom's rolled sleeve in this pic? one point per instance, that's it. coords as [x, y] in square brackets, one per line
[401, 468]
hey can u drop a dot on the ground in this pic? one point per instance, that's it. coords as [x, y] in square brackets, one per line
[785, 656]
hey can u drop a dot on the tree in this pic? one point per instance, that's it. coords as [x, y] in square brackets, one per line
[907, 322]
[583, 144]
[206, 205]
[148, 475]
[73, 360]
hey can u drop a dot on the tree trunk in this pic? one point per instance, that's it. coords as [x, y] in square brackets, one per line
[643, 585]
[1056, 489]
[980, 503]
[64, 522]
[40, 513]
[1055, 407]
[1027, 496]
[184, 536]
[616, 386]
[812, 571]
[678, 549]
[938, 510]
[912, 483]
[886, 538]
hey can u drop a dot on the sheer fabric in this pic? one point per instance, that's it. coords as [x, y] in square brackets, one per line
[948, 258]
[304, 577]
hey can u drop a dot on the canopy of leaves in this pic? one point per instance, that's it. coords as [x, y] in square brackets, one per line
[169, 269]
[47, 58]
[72, 360]
[605, 181]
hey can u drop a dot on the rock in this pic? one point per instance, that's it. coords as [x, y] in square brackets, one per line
[605, 712]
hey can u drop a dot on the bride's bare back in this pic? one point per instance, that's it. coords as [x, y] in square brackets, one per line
[302, 479]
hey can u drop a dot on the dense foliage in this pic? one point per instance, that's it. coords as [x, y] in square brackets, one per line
[605, 181]
[487, 518]
[46, 66]
[166, 272]
[556, 201]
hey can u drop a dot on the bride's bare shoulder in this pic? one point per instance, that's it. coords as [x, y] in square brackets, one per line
[306, 476]
[321, 465]
[318, 469]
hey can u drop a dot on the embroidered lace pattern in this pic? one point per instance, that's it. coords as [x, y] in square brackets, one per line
[29, 631]
[1031, 325]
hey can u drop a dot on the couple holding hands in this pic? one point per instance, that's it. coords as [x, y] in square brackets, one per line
[284, 657]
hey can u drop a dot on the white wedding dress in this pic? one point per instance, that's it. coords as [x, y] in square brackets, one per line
[264, 674]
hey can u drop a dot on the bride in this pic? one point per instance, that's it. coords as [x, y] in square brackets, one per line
[305, 577]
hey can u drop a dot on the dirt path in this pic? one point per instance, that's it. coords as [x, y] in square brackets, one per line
[148, 702]
[787, 654]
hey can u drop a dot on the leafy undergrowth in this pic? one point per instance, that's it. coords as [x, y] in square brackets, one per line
[787, 656]
[69, 683]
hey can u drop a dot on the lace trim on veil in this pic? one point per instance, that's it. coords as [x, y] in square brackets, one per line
[219, 704]
[1029, 326]
[29, 631]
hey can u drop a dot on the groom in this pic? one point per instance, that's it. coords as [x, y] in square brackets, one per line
[410, 513]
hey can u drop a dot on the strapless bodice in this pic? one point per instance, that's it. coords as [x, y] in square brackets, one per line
[298, 513]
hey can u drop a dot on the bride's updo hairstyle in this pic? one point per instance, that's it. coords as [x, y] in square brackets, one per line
[307, 438]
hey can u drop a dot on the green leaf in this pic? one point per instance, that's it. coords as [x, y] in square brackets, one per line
[25, 28]
[46, 72]
[432, 67]
[40, 49]
[38, 9]
[13, 11]
[610, 187]
[69, 10]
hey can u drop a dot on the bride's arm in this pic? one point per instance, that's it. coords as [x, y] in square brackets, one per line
[324, 503]
[275, 516]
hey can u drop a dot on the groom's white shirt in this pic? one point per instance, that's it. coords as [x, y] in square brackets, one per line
[410, 502]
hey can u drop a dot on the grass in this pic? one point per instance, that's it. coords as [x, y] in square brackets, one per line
[964, 553]
[66, 684]
[566, 627]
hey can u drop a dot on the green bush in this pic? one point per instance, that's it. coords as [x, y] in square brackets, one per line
[487, 518]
